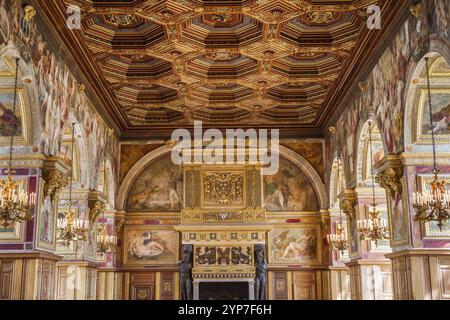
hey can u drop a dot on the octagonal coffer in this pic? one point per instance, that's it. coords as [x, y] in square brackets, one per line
[222, 114]
[135, 67]
[222, 64]
[222, 30]
[322, 28]
[297, 92]
[308, 64]
[154, 94]
[143, 116]
[122, 31]
[215, 93]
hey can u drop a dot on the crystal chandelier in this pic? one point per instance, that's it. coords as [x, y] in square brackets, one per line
[375, 228]
[432, 204]
[71, 228]
[16, 205]
[105, 242]
[339, 240]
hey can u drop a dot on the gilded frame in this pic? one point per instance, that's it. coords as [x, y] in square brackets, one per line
[25, 117]
[421, 104]
[318, 258]
[130, 228]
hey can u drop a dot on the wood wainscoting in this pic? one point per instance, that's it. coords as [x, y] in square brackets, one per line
[296, 284]
[149, 285]
[27, 276]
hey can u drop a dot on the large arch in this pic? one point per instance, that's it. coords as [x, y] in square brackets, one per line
[337, 183]
[290, 155]
[30, 118]
[416, 77]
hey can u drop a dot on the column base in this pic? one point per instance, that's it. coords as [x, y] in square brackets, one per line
[421, 274]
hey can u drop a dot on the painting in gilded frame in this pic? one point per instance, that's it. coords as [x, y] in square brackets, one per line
[150, 245]
[15, 231]
[20, 118]
[430, 230]
[440, 104]
[295, 245]
[353, 238]
[399, 218]
[46, 220]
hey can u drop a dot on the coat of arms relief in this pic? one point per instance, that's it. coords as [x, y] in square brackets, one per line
[223, 189]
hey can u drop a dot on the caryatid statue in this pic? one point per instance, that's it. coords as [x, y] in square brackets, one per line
[186, 273]
[261, 273]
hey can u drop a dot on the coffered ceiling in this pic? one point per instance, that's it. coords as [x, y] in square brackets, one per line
[159, 65]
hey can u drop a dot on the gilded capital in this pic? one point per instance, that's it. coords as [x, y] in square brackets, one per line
[348, 207]
[390, 180]
[120, 221]
[96, 205]
[96, 208]
[55, 175]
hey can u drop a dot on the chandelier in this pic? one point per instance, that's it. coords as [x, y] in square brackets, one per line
[432, 204]
[70, 227]
[339, 240]
[105, 242]
[16, 205]
[375, 228]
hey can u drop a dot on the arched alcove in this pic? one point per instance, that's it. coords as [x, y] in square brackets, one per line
[369, 192]
[26, 114]
[418, 137]
[417, 131]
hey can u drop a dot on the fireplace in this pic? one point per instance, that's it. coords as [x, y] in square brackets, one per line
[224, 289]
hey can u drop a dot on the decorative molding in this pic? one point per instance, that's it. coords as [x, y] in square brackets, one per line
[223, 216]
[389, 174]
[96, 205]
[223, 188]
[390, 179]
[348, 207]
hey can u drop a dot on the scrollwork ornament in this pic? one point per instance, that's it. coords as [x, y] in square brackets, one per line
[348, 207]
[55, 181]
[390, 180]
[120, 223]
[96, 208]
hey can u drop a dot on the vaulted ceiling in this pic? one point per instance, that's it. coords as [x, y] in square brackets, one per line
[159, 65]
